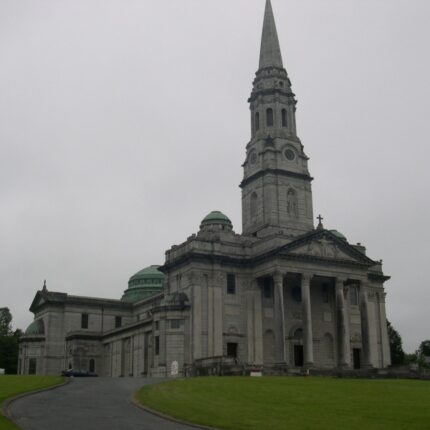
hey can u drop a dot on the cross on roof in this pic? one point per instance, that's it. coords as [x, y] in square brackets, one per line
[320, 218]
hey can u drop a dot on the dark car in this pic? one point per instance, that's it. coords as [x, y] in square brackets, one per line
[77, 373]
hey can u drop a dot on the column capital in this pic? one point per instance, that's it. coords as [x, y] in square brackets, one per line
[306, 277]
[364, 291]
[340, 282]
[364, 284]
[278, 276]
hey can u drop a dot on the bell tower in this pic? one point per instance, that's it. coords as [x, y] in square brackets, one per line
[276, 187]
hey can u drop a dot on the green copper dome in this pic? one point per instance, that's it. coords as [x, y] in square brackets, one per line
[145, 283]
[339, 235]
[37, 327]
[216, 217]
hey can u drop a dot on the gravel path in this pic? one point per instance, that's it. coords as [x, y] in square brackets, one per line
[89, 404]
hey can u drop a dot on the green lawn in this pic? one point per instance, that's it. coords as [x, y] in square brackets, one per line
[297, 403]
[11, 385]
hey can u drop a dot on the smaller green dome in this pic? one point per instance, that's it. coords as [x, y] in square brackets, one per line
[216, 217]
[339, 235]
[150, 272]
[145, 283]
[37, 327]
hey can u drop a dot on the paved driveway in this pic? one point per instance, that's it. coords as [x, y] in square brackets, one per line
[89, 404]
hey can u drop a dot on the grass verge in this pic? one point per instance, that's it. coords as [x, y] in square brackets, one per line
[275, 403]
[12, 385]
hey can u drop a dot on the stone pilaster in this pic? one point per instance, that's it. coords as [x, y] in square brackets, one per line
[250, 325]
[217, 324]
[197, 322]
[308, 347]
[279, 316]
[344, 343]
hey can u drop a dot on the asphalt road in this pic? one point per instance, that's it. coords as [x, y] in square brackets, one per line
[89, 404]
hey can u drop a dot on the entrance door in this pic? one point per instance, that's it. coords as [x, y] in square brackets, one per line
[232, 350]
[356, 353]
[32, 366]
[298, 356]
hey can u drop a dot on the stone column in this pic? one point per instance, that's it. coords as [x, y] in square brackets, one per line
[254, 323]
[308, 342]
[344, 344]
[278, 280]
[385, 345]
[258, 323]
[365, 327]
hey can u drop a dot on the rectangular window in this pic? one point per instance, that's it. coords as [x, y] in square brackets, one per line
[296, 292]
[84, 321]
[157, 345]
[353, 295]
[157, 325]
[324, 293]
[118, 322]
[231, 283]
[267, 288]
[175, 324]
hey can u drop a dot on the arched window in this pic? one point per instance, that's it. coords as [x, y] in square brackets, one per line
[292, 203]
[284, 118]
[298, 334]
[353, 295]
[257, 121]
[269, 117]
[254, 200]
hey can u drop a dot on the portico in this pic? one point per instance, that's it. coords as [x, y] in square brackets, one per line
[318, 320]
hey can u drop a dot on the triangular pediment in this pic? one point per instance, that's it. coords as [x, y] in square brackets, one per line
[324, 245]
[37, 301]
[41, 301]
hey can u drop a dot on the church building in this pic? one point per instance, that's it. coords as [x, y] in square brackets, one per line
[284, 295]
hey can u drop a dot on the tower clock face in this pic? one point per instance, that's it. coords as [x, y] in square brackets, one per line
[289, 154]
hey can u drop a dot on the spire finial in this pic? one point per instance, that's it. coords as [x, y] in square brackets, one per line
[44, 286]
[320, 224]
[270, 53]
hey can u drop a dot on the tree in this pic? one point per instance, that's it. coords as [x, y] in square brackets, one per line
[9, 342]
[396, 348]
[5, 322]
[424, 348]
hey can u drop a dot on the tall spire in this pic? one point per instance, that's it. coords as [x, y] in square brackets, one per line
[276, 186]
[270, 53]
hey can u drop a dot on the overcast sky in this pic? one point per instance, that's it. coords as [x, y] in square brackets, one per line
[124, 122]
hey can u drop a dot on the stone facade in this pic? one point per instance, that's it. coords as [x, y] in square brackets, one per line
[283, 294]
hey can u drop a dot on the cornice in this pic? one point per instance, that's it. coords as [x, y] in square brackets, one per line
[84, 336]
[270, 92]
[280, 172]
[362, 261]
